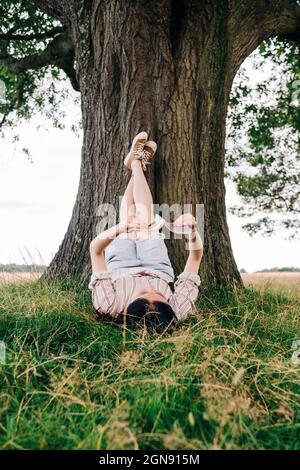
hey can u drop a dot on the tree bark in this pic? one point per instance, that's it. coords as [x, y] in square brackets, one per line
[165, 67]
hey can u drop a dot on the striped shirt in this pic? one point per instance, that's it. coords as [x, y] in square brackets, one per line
[113, 292]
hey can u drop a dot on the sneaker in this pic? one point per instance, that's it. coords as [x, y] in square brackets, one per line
[137, 148]
[147, 153]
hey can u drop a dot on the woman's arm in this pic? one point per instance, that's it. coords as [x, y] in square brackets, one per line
[195, 245]
[99, 243]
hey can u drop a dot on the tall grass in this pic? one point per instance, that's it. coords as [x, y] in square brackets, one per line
[222, 380]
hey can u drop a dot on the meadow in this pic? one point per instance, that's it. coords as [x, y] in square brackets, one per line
[224, 379]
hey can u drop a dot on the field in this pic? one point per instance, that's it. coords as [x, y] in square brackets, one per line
[272, 281]
[6, 278]
[276, 281]
[224, 379]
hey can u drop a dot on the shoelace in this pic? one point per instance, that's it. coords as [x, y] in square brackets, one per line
[146, 155]
[143, 155]
[140, 148]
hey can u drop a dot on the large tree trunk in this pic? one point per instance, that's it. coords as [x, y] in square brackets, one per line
[165, 67]
[192, 141]
[164, 70]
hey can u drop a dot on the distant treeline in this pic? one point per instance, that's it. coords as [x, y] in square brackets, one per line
[22, 268]
[275, 270]
[280, 270]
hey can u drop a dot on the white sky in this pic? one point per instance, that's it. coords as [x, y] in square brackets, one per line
[36, 201]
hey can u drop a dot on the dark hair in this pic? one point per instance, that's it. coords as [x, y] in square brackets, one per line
[155, 314]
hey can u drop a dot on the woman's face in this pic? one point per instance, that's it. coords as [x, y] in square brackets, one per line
[152, 295]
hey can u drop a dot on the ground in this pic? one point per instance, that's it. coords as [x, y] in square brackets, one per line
[224, 379]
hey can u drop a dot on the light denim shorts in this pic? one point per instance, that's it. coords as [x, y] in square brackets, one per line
[150, 253]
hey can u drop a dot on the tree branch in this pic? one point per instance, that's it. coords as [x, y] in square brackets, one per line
[295, 34]
[29, 37]
[20, 24]
[59, 47]
[59, 52]
[67, 65]
[54, 8]
[285, 22]
[253, 21]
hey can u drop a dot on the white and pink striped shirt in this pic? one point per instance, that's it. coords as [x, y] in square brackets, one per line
[113, 292]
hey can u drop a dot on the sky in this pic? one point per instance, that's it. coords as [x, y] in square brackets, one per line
[37, 197]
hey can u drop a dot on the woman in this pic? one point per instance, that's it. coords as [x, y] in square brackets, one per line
[131, 270]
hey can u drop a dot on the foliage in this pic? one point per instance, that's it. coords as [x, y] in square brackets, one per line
[263, 140]
[40, 91]
[263, 122]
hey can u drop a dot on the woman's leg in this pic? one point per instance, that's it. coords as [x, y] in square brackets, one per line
[127, 208]
[137, 200]
[141, 194]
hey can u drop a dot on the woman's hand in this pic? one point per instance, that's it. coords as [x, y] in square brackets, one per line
[194, 243]
[131, 224]
[186, 219]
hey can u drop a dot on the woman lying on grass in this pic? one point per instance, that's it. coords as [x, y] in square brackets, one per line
[131, 270]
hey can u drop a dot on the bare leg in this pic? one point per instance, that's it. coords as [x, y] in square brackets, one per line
[141, 194]
[127, 208]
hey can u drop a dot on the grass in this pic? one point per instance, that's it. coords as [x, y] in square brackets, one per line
[222, 380]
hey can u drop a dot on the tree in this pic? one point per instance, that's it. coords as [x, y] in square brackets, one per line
[162, 66]
[263, 140]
